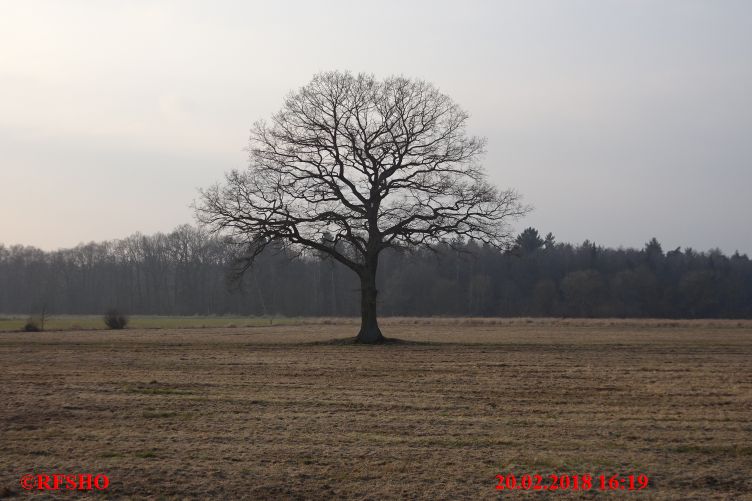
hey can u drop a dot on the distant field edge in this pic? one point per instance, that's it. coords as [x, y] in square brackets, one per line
[15, 322]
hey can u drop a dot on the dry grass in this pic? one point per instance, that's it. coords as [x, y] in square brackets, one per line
[279, 412]
[96, 322]
[9, 323]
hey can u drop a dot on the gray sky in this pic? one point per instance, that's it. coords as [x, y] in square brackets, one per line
[617, 120]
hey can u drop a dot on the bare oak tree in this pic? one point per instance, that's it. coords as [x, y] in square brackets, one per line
[351, 166]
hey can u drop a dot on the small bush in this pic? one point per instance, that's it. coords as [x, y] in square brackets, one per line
[31, 326]
[115, 320]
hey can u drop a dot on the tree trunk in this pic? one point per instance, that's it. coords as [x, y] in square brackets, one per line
[369, 327]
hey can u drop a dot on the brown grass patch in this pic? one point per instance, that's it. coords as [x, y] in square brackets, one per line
[280, 412]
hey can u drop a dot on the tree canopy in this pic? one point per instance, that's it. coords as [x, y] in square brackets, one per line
[351, 166]
[183, 273]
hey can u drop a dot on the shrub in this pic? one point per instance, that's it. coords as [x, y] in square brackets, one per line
[31, 326]
[115, 320]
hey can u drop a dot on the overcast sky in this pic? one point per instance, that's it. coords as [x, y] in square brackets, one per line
[617, 120]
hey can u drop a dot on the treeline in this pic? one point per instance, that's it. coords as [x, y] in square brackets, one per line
[185, 272]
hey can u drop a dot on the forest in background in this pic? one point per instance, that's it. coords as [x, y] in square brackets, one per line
[185, 272]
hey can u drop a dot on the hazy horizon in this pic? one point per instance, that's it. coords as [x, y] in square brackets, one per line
[618, 121]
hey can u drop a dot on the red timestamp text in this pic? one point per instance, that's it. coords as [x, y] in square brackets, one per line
[574, 482]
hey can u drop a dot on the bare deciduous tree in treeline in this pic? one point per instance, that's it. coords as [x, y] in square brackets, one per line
[351, 166]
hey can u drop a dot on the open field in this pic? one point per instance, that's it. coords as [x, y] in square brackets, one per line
[10, 323]
[95, 322]
[281, 412]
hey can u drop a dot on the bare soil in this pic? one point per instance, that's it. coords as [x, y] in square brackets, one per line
[284, 412]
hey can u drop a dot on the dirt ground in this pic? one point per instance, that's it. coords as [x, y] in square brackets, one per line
[283, 413]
